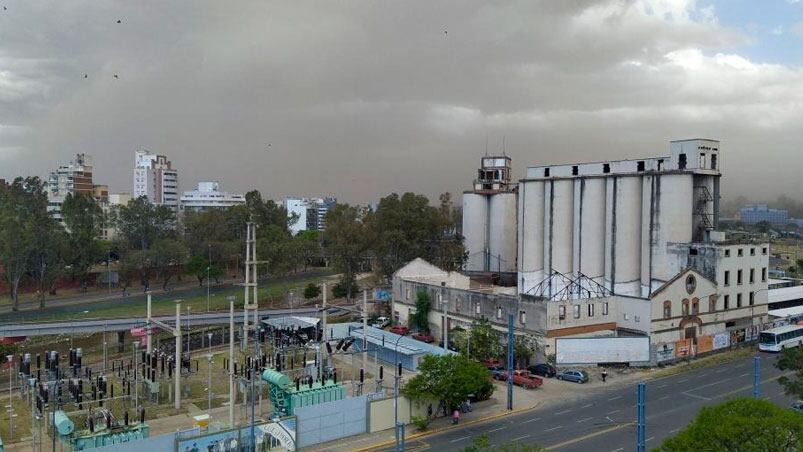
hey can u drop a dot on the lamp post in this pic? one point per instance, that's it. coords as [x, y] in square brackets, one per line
[136, 371]
[10, 405]
[208, 269]
[209, 375]
[399, 438]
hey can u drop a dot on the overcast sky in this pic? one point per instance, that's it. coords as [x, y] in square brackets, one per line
[360, 99]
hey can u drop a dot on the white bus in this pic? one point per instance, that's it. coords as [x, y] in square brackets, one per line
[777, 339]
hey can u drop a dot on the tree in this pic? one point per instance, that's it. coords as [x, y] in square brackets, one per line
[792, 359]
[308, 247]
[347, 240]
[485, 342]
[420, 318]
[168, 257]
[83, 219]
[449, 379]
[19, 203]
[742, 424]
[200, 267]
[142, 223]
[312, 291]
[49, 254]
[524, 347]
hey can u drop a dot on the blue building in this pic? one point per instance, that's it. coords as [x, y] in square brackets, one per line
[756, 213]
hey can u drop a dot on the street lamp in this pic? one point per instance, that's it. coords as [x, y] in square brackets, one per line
[397, 371]
[208, 269]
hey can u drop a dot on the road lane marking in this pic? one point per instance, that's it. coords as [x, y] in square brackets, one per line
[614, 411]
[562, 412]
[531, 420]
[649, 439]
[586, 406]
[722, 370]
[743, 375]
[497, 429]
[701, 375]
[553, 429]
[519, 438]
[586, 419]
[614, 398]
[664, 385]
[460, 439]
[664, 397]
[674, 431]
[695, 396]
[683, 380]
[619, 449]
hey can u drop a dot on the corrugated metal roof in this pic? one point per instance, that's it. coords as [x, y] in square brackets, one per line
[784, 294]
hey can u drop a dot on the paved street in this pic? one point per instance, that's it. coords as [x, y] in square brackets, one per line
[604, 421]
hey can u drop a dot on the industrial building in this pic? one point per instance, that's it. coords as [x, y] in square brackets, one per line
[757, 213]
[156, 179]
[208, 197]
[626, 247]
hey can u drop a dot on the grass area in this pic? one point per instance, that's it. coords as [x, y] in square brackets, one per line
[272, 293]
[707, 361]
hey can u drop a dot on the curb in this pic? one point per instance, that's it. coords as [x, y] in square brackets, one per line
[449, 427]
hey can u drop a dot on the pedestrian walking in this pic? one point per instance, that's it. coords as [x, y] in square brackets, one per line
[468, 405]
[604, 375]
[429, 411]
[455, 417]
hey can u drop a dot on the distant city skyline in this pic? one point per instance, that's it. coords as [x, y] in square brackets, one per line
[362, 99]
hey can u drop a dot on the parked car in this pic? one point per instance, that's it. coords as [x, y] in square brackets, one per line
[489, 363]
[577, 376]
[798, 406]
[498, 373]
[381, 322]
[399, 329]
[424, 337]
[526, 380]
[543, 370]
[451, 346]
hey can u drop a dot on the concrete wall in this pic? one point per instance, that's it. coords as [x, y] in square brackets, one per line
[502, 232]
[628, 313]
[331, 421]
[475, 230]
[381, 414]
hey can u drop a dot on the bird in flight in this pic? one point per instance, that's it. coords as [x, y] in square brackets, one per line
[86, 75]
[115, 76]
[119, 21]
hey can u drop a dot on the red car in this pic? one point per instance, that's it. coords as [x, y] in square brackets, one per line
[491, 363]
[424, 337]
[398, 329]
[526, 380]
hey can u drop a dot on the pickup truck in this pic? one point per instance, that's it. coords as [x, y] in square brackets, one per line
[526, 380]
[400, 330]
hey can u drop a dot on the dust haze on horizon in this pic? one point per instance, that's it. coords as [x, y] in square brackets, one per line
[360, 99]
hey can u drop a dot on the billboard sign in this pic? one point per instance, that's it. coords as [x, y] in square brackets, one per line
[602, 350]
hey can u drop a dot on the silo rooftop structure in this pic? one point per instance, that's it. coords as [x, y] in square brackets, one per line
[489, 219]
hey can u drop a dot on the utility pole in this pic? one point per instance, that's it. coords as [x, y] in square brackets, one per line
[231, 361]
[445, 306]
[177, 373]
[209, 375]
[148, 328]
[510, 361]
[135, 348]
[365, 330]
[641, 418]
[756, 377]
[208, 270]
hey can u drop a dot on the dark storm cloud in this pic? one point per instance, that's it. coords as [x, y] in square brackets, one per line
[358, 99]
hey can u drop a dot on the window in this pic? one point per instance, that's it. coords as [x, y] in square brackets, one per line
[752, 275]
[561, 312]
[738, 300]
[660, 164]
[407, 294]
[682, 161]
[546, 172]
[702, 160]
[727, 302]
[498, 313]
[522, 317]
[713, 161]
[752, 251]
[606, 168]
[740, 253]
[591, 309]
[752, 298]
[764, 251]
[575, 170]
[685, 305]
[604, 308]
[576, 311]
[738, 277]
[727, 253]
[712, 303]
[667, 309]
[764, 274]
[457, 304]
[640, 165]
[695, 306]
[727, 277]
[477, 308]
[637, 319]
[626, 316]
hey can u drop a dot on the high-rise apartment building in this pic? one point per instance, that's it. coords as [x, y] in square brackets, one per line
[74, 178]
[208, 197]
[310, 213]
[155, 178]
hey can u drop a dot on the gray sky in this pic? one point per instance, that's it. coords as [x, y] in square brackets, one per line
[360, 99]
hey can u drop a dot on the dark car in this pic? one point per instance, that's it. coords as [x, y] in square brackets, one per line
[798, 406]
[543, 370]
[577, 376]
[498, 373]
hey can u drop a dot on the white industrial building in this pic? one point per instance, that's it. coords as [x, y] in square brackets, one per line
[155, 178]
[309, 213]
[209, 197]
[619, 247]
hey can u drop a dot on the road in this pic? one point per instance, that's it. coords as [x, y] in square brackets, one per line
[605, 421]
